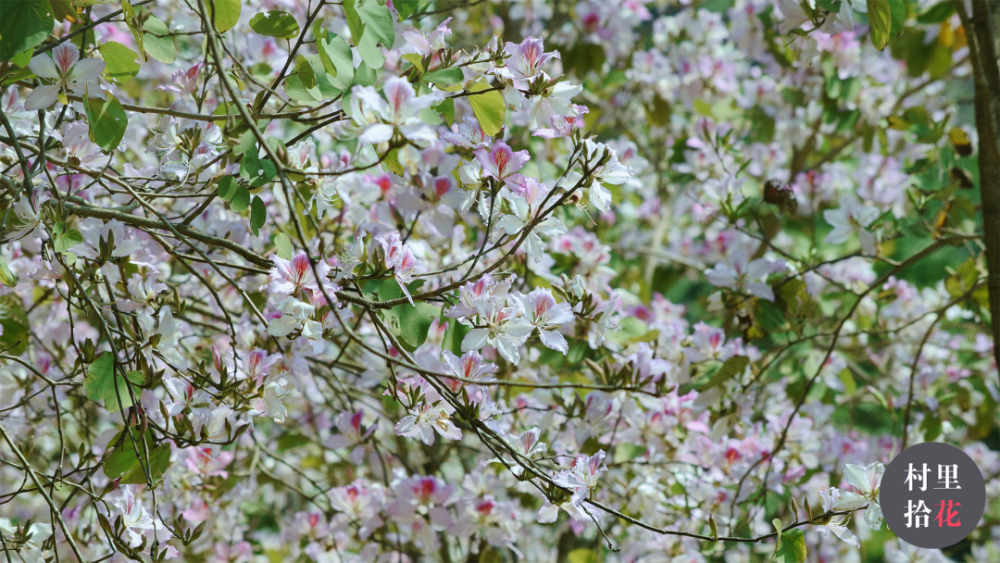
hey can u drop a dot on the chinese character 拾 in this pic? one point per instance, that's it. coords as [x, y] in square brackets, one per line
[917, 516]
[948, 476]
[946, 514]
[917, 475]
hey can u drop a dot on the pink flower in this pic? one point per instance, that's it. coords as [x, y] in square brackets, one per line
[431, 42]
[400, 259]
[203, 461]
[527, 58]
[500, 162]
[292, 276]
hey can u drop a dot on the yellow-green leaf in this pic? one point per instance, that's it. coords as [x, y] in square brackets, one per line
[226, 15]
[880, 21]
[489, 107]
[275, 23]
[121, 63]
[107, 121]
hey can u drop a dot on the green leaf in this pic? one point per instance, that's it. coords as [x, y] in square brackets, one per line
[581, 555]
[67, 240]
[880, 20]
[378, 29]
[489, 107]
[14, 321]
[937, 13]
[258, 215]
[241, 200]
[335, 54]
[406, 7]
[133, 25]
[391, 162]
[354, 23]
[7, 277]
[226, 15]
[323, 90]
[447, 110]
[305, 72]
[101, 383]
[445, 77]
[365, 75]
[227, 188]
[63, 10]
[791, 547]
[22, 59]
[732, 367]
[156, 42]
[23, 25]
[283, 244]
[107, 121]
[777, 528]
[121, 62]
[897, 13]
[275, 23]
[453, 336]
[415, 321]
[124, 464]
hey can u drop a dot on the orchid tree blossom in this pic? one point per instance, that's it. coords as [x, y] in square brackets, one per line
[68, 71]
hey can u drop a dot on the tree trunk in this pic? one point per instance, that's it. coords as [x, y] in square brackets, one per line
[983, 33]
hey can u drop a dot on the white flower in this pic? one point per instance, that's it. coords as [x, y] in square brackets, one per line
[135, 519]
[839, 529]
[379, 119]
[524, 445]
[501, 330]
[31, 548]
[604, 169]
[293, 313]
[424, 419]
[167, 334]
[526, 196]
[867, 481]
[273, 395]
[66, 68]
[540, 310]
[852, 217]
[738, 274]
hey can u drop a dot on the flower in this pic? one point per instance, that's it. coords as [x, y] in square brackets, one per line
[425, 419]
[738, 274]
[165, 336]
[352, 433]
[399, 258]
[540, 310]
[525, 444]
[500, 162]
[525, 196]
[470, 366]
[867, 481]
[399, 113]
[291, 276]
[583, 475]
[273, 396]
[604, 168]
[526, 59]
[501, 330]
[292, 313]
[66, 68]
[839, 529]
[31, 546]
[852, 217]
[429, 43]
[135, 519]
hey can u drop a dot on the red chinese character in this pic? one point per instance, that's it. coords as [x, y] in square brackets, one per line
[945, 518]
